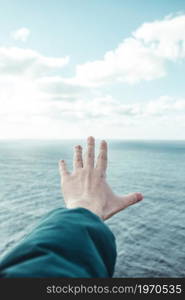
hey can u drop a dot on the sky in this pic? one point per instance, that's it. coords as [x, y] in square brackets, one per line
[112, 69]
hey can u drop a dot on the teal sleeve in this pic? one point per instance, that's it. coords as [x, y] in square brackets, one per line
[66, 243]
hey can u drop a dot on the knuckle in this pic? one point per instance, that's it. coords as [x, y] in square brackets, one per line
[90, 148]
[102, 175]
[103, 156]
[78, 148]
[90, 155]
[90, 142]
[88, 173]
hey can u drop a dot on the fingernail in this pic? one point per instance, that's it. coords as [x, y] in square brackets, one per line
[139, 196]
[103, 144]
[90, 138]
[78, 147]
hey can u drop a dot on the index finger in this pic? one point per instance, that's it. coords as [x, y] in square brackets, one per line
[102, 157]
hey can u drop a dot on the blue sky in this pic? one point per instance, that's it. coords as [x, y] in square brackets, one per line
[135, 91]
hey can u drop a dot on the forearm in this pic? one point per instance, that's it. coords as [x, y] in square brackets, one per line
[67, 243]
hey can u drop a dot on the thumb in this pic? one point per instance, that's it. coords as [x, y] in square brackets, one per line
[130, 199]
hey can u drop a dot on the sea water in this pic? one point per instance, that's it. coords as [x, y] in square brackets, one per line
[150, 235]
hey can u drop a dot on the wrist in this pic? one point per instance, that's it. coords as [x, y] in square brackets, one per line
[84, 204]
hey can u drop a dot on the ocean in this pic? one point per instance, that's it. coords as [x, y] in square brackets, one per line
[150, 235]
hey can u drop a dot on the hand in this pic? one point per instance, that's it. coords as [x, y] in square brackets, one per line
[86, 186]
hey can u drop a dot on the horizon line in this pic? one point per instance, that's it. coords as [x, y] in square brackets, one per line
[72, 139]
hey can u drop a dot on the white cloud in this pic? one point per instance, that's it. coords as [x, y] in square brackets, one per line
[37, 103]
[29, 111]
[57, 88]
[131, 62]
[20, 102]
[166, 38]
[109, 109]
[21, 34]
[142, 56]
[26, 93]
[18, 61]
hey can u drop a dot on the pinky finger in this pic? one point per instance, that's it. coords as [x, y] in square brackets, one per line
[63, 168]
